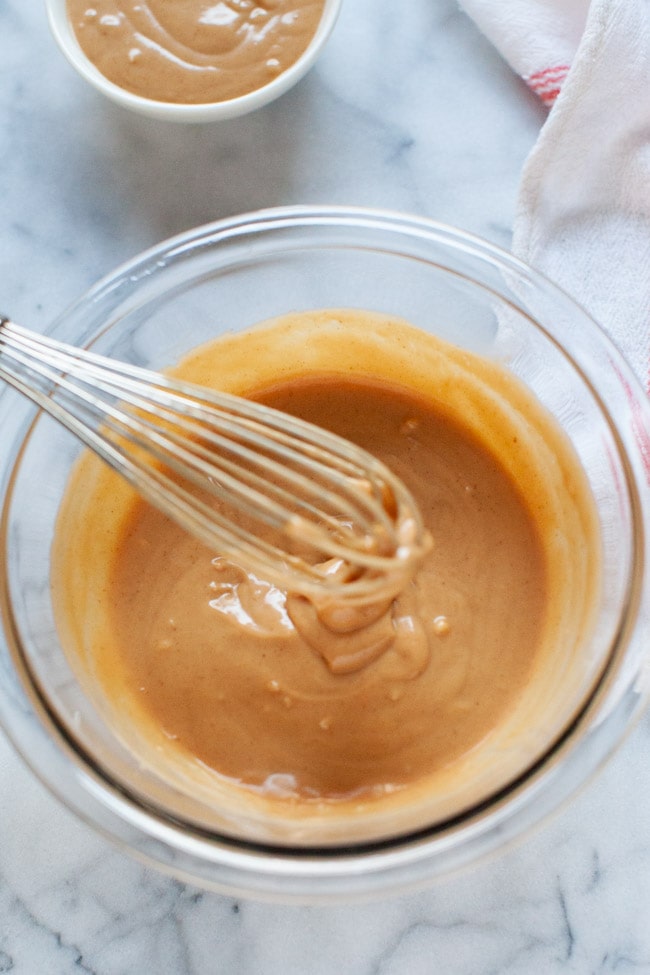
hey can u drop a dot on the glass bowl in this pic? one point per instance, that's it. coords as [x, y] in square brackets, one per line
[65, 37]
[225, 277]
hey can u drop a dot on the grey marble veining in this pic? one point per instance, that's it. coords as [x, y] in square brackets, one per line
[409, 108]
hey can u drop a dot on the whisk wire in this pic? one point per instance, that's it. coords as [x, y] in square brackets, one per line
[227, 469]
[172, 447]
[242, 429]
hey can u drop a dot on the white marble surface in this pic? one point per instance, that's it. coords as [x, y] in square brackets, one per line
[411, 109]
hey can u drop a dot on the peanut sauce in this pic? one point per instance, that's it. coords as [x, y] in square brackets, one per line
[193, 51]
[432, 699]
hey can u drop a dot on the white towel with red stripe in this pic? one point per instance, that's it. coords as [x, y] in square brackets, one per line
[583, 215]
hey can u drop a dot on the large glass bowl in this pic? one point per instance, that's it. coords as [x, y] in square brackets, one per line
[228, 276]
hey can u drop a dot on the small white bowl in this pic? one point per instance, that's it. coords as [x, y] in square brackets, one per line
[175, 112]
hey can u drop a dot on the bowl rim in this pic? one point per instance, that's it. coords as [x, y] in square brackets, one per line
[258, 866]
[64, 35]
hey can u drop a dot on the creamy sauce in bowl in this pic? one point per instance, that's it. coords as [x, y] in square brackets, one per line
[266, 705]
[193, 51]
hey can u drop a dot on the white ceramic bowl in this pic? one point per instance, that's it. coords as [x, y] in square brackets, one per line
[176, 112]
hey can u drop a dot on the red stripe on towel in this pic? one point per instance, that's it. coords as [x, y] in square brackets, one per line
[547, 82]
[558, 69]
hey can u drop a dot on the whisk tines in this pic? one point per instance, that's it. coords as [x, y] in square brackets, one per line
[302, 507]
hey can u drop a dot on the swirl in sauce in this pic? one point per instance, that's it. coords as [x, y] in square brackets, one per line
[193, 51]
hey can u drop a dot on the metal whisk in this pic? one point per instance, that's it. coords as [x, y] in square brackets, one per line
[299, 506]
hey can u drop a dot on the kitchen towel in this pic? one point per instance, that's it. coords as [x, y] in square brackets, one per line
[583, 211]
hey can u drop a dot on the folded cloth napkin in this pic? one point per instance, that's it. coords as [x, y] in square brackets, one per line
[583, 214]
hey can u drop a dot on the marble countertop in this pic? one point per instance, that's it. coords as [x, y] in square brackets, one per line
[411, 109]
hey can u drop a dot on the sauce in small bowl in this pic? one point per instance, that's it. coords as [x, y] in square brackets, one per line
[192, 61]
